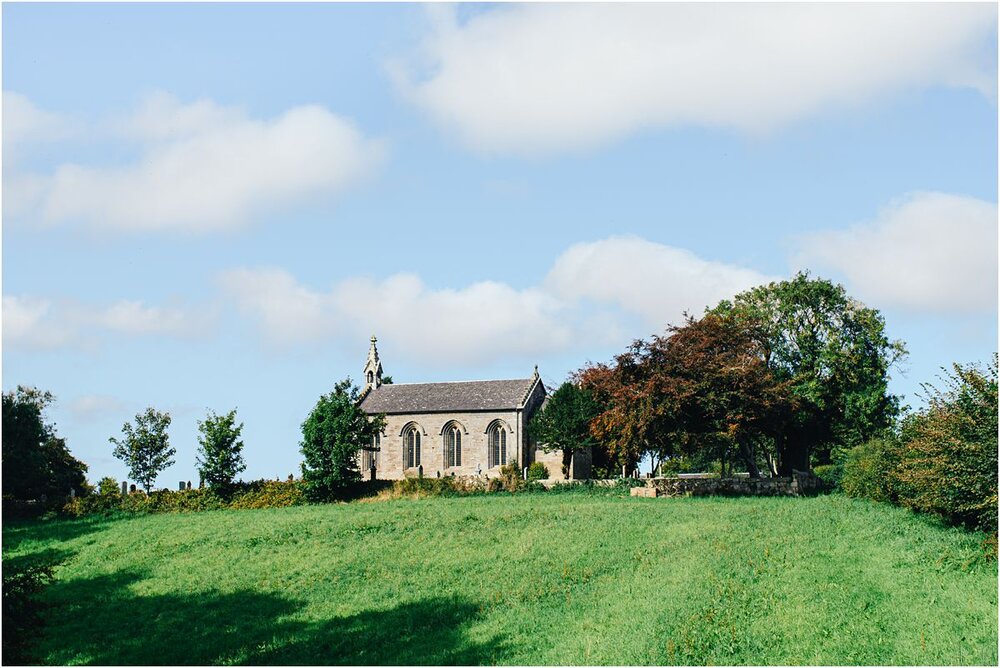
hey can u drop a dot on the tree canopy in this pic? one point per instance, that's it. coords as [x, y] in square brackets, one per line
[220, 451]
[563, 423]
[782, 374]
[36, 461]
[834, 352]
[332, 435]
[145, 448]
[703, 390]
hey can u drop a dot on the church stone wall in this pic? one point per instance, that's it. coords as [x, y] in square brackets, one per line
[474, 453]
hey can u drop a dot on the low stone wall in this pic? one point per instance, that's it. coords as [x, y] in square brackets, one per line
[799, 484]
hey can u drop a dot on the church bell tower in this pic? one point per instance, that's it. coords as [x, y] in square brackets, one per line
[373, 368]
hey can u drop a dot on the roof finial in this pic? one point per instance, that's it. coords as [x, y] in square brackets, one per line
[536, 371]
[373, 368]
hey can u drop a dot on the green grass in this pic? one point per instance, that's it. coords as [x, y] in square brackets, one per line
[529, 579]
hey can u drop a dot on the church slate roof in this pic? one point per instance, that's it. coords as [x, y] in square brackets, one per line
[474, 395]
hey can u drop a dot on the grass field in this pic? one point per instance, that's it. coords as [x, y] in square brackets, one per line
[531, 579]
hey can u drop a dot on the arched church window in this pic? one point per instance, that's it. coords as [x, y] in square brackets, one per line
[411, 447]
[371, 377]
[497, 443]
[452, 445]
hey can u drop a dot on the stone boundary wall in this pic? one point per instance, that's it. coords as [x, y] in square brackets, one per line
[799, 484]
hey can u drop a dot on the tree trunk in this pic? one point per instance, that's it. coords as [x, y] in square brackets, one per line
[750, 455]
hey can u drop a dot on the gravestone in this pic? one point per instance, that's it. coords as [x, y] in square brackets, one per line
[420, 471]
[525, 472]
[189, 484]
[72, 493]
[131, 488]
[371, 472]
[180, 486]
[124, 487]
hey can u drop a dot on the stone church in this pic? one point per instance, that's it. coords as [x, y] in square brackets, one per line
[455, 428]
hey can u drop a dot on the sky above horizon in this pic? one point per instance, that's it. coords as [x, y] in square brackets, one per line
[209, 207]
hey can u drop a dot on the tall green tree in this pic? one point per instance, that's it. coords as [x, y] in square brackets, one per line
[145, 447]
[563, 423]
[834, 352]
[220, 450]
[36, 460]
[332, 436]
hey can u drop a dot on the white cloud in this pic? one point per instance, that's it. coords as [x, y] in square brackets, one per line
[481, 321]
[133, 317]
[204, 167]
[488, 320]
[290, 313]
[35, 323]
[25, 122]
[89, 407]
[28, 323]
[655, 281]
[543, 78]
[927, 252]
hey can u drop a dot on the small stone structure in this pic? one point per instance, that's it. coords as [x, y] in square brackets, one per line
[799, 484]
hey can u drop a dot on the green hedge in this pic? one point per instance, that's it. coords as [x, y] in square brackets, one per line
[243, 495]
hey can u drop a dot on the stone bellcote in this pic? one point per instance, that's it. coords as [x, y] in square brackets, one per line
[373, 368]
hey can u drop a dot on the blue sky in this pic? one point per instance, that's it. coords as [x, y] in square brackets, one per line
[214, 206]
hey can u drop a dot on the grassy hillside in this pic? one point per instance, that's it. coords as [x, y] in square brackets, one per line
[532, 579]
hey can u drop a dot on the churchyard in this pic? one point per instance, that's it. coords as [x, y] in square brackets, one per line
[579, 577]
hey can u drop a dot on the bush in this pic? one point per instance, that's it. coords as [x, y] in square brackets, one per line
[108, 486]
[537, 471]
[242, 495]
[829, 474]
[948, 457]
[868, 470]
[510, 477]
[268, 494]
[21, 618]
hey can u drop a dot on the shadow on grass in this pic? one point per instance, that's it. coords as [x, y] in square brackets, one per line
[16, 532]
[103, 620]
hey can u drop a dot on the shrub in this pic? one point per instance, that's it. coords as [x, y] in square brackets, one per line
[21, 618]
[829, 474]
[537, 471]
[242, 495]
[868, 470]
[510, 477]
[268, 494]
[948, 458]
[108, 486]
